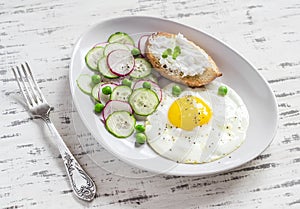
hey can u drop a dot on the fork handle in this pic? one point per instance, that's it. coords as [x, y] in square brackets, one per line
[82, 185]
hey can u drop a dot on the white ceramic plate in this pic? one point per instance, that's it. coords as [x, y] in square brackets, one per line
[237, 73]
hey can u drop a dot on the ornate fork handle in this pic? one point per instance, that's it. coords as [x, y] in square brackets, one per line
[82, 184]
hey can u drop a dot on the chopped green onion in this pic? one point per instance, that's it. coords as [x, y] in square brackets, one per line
[176, 53]
[177, 49]
[167, 52]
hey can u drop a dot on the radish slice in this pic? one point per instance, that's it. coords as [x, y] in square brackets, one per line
[103, 44]
[142, 44]
[115, 105]
[103, 98]
[120, 62]
[130, 47]
[154, 87]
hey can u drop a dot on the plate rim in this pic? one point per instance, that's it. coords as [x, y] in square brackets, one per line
[171, 171]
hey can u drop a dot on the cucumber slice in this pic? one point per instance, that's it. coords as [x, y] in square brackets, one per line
[104, 69]
[95, 91]
[143, 101]
[142, 68]
[121, 93]
[93, 56]
[85, 84]
[114, 46]
[154, 87]
[121, 37]
[121, 124]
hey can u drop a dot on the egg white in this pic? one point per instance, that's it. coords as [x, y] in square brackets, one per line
[224, 133]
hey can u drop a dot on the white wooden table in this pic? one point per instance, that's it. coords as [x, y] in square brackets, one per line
[32, 174]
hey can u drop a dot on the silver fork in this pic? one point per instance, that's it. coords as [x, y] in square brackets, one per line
[83, 186]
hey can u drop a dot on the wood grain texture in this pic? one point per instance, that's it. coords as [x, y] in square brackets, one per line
[43, 32]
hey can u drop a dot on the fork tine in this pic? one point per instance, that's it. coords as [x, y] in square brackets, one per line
[22, 86]
[37, 98]
[35, 83]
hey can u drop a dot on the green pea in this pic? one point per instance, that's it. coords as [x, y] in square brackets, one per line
[135, 52]
[147, 85]
[222, 90]
[140, 128]
[98, 107]
[140, 138]
[176, 90]
[96, 79]
[127, 82]
[106, 90]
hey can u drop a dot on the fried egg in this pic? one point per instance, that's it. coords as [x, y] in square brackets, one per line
[198, 126]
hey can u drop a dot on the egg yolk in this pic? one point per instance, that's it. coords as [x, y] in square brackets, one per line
[188, 112]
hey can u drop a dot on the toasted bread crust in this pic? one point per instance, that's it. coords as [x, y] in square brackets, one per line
[198, 80]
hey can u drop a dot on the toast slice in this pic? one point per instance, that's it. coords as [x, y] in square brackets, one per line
[192, 67]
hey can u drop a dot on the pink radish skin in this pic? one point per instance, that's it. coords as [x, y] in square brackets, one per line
[113, 59]
[130, 47]
[142, 43]
[103, 44]
[115, 105]
[102, 97]
[154, 86]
